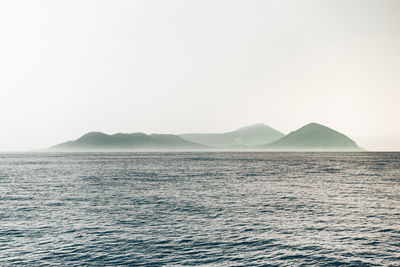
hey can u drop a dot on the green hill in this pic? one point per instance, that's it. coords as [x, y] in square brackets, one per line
[314, 137]
[97, 141]
[249, 136]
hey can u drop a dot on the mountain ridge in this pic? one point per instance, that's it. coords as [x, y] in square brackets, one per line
[251, 135]
[311, 137]
[314, 137]
[98, 141]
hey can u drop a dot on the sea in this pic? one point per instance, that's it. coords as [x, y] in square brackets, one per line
[200, 209]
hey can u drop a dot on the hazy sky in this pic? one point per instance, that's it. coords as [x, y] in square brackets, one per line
[69, 67]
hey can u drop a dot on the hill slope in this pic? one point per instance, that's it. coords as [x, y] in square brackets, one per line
[97, 141]
[253, 135]
[314, 137]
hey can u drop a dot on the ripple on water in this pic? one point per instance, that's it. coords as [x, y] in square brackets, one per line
[228, 209]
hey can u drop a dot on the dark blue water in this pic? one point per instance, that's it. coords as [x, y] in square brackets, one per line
[228, 209]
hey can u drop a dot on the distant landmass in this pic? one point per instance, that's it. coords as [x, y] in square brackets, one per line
[97, 141]
[253, 135]
[314, 137]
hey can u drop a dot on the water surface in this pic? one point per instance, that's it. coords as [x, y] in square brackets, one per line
[200, 209]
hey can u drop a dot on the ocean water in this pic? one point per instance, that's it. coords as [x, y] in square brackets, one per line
[212, 209]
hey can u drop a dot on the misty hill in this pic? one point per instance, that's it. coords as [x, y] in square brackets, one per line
[97, 141]
[314, 137]
[252, 135]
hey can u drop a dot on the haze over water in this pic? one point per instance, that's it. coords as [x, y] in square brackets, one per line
[200, 208]
[182, 66]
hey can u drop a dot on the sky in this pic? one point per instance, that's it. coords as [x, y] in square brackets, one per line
[75, 66]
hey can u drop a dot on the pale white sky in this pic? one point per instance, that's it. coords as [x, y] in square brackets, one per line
[69, 67]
